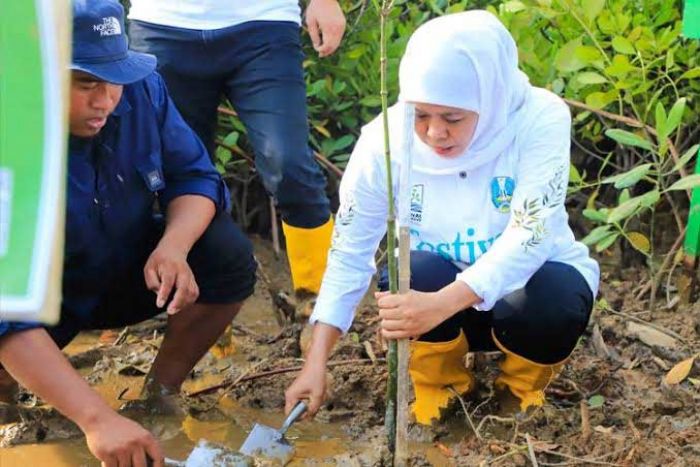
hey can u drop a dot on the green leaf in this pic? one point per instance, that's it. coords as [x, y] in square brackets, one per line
[232, 139]
[574, 175]
[356, 52]
[675, 116]
[660, 118]
[587, 54]
[630, 177]
[670, 59]
[686, 157]
[639, 241]
[686, 183]
[595, 215]
[596, 235]
[592, 8]
[599, 100]
[620, 67]
[222, 155]
[628, 139]
[623, 45]
[343, 142]
[691, 74]
[566, 60]
[514, 6]
[606, 242]
[371, 101]
[624, 210]
[624, 196]
[591, 77]
[650, 198]
[596, 401]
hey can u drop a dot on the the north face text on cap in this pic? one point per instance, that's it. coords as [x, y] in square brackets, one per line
[110, 27]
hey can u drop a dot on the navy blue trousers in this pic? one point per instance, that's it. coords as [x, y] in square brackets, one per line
[258, 67]
[541, 322]
[222, 263]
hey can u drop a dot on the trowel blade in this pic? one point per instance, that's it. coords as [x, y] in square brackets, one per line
[208, 454]
[264, 441]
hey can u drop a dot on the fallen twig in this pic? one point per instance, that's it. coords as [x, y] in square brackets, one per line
[122, 336]
[651, 284]
[236, 381]
[531, 450]
[582, 460]
[512, 452]
[496, 418]
[651, 325]
[243, 378]
[585, 422]
[466, 413]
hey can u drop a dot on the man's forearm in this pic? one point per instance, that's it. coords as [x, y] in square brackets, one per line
[187, 218]
[34, 360]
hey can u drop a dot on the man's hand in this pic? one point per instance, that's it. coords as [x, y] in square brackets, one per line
[120, 442]
[326, 24]
[167, 269]
[310, 385]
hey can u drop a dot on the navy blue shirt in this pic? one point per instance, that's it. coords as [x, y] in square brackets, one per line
[144, 157]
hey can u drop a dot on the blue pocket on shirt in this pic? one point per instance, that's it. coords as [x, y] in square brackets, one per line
[151, 170]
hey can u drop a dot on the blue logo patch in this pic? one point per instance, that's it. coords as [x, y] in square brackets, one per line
[502, 193]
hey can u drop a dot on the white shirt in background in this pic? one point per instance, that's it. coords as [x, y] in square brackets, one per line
[213, 14]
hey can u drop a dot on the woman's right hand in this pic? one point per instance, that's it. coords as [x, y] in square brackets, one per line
[309, 385]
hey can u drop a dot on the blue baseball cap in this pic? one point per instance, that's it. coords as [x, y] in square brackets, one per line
[100, 45]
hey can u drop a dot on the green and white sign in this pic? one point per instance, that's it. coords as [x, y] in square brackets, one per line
[691, 19]
[34, 43]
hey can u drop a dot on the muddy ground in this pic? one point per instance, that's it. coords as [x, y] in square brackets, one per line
[610, 406]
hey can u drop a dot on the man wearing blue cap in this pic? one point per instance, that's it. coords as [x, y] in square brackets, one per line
[129, 150]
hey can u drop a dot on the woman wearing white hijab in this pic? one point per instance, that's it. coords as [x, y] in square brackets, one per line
[494, 263]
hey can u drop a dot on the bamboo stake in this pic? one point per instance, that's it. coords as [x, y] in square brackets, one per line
[403, 351]
[392, 363]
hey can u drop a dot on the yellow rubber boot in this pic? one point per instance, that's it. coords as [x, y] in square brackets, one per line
[433, 367]
[525, 379]
[307, 252]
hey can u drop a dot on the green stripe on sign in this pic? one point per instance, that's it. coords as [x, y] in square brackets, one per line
[691, 19]
[33, 68]
[21, 142]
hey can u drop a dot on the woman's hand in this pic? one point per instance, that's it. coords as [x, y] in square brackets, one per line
[309, 385]
[409, 315]
[311, 382]
[414, 313]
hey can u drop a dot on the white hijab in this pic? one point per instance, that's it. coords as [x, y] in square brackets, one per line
[470, 61]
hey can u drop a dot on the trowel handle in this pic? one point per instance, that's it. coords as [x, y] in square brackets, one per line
[296, 412]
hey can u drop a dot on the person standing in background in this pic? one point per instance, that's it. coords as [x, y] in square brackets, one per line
[251, 53]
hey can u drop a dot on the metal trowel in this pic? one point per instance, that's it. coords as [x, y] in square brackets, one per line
[264, 441]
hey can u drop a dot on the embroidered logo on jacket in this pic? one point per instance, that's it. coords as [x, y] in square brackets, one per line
[502, 193]
[417, 203]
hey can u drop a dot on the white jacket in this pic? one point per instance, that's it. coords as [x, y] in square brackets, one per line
[498, 221]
